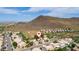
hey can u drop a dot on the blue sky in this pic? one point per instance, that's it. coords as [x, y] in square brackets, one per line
[17, 14]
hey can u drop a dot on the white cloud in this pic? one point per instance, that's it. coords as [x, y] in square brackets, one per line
[37, 9]
[55, 11]
[8, 11]
[63, 12]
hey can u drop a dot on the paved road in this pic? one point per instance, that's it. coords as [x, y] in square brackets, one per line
[36, 46]
[7, 45]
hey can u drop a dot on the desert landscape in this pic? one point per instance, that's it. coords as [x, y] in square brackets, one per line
[43, 33]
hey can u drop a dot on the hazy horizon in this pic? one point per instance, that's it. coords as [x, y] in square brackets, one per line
[25, 14]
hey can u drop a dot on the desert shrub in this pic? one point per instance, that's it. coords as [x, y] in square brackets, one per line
[2, 28]
[25, 39]
[29, 44]
[49, 35]
[61, 49]
[10, 34]
[67, 47]
[76, 39]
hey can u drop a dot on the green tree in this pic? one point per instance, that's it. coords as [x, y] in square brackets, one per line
[71, 46]
[14, 44]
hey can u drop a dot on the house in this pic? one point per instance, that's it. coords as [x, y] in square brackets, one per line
[49, 47]
[19, 40]
[16, 37]
[21, 44]
[35, 42]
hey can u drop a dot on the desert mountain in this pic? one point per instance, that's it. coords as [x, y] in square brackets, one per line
[46, 22]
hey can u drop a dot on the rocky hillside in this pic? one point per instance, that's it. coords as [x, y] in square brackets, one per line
[46, 22]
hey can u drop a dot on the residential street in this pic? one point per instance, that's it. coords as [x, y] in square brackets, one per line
[7, 45]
